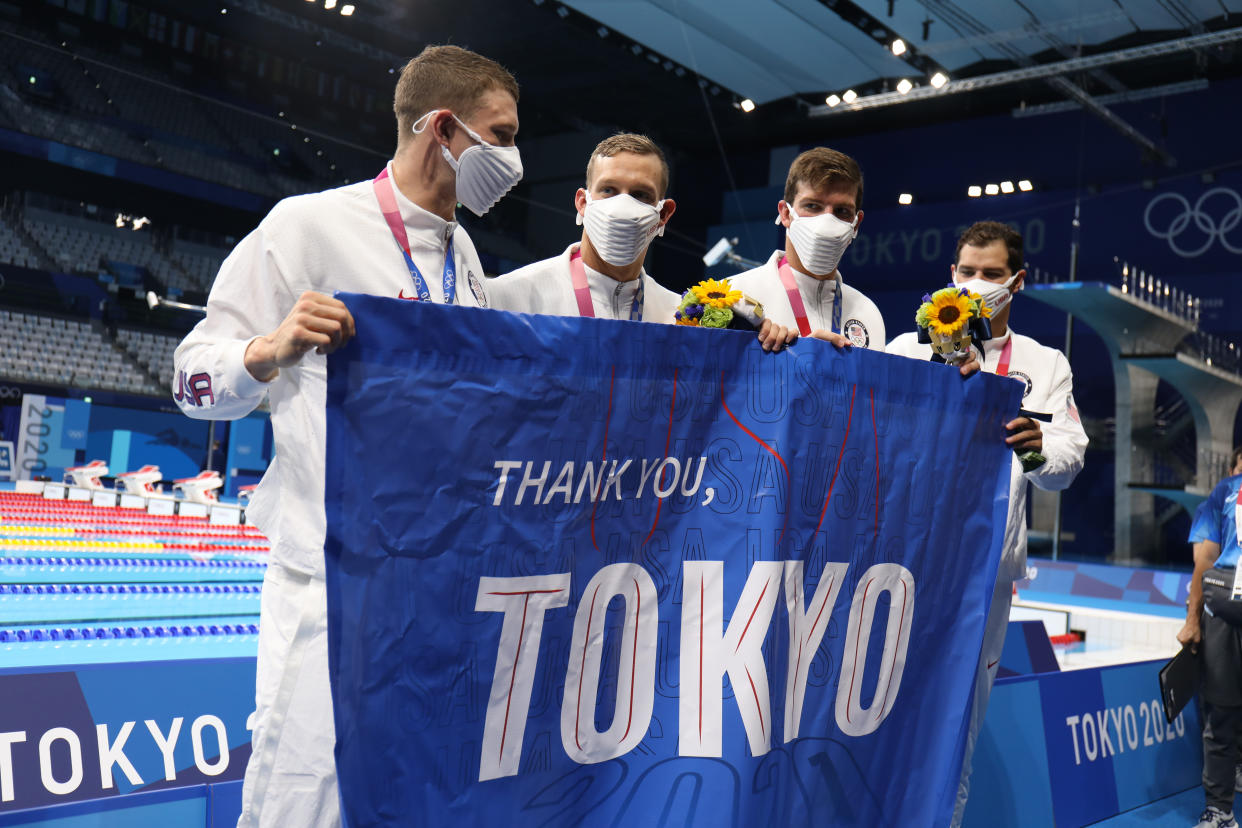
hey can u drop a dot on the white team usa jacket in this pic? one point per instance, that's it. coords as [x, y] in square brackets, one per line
[861, 322]
[546, 287]
[323, 242]
[1048, 389]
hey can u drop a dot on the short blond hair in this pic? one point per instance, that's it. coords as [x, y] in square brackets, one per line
[446, 77]
[628, 142]
[822, 167]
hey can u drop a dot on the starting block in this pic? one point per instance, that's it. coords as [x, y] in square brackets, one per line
[201, 488]
[140, 481]
[88, 476]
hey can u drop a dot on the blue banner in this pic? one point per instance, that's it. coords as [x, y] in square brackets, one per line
[592, 572]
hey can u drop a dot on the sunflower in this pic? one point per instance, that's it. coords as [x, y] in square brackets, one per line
[716, 294]
[984, 310]
[950, 312]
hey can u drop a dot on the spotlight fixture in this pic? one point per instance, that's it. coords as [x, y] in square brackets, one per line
[747, 105]
[898, 47]
[347, 10]
[939, 79]
[850, 96]
[1006, 187]
[905, 198]
[1025, 186]
[904, 86]
[991, 189]
[974, 191]
[329, 5]
[833, 100]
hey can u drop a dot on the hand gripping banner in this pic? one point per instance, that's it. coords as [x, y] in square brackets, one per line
[584, 572]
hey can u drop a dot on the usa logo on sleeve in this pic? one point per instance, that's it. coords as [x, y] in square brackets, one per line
[856, 332]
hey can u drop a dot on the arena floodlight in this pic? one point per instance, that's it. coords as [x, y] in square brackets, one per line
[329, 5]
[1025, 186]
[905, 198]
[747, 105]
[833, 100]
[850, 96]
[992, 189]
[974, 191]
[1006, 187]
[939, 79]
[347, 10]
[898, 47]
[904, 85]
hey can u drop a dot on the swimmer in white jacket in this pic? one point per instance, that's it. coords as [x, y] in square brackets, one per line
[271, 320]
[801, 285]
[622, 209]
[989, 262]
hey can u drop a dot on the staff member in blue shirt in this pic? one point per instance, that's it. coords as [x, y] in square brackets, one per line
[1214, 625]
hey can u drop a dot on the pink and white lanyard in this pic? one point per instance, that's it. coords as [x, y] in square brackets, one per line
[582, 291]
[385, 194]
[795, 300]
[1002, 367]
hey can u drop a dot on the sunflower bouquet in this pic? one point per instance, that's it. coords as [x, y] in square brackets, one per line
[949, 319]
[716, 304]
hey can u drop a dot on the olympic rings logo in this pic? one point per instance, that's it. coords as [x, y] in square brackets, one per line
[1204, 222]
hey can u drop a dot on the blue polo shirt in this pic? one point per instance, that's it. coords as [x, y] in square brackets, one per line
[1216, 520]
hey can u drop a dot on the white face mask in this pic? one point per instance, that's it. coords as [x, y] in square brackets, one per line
[820, 241]
[995, 295]
[485, 172]
[620, 227]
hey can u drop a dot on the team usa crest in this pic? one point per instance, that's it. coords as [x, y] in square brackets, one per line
[856, 332]
[476, 287]
[1018, 375]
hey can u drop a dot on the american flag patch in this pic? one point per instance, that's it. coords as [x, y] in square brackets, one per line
[1073, 412]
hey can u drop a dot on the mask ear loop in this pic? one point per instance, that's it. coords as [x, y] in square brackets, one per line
[426, 116]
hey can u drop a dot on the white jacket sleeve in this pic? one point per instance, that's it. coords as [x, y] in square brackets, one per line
[249, 298]
[1065, 442]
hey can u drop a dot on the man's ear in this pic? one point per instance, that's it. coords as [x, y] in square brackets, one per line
[443, 127]
[782, 214]
[580, 204]
[666, 212]
[1020, 281]
[953, 273]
